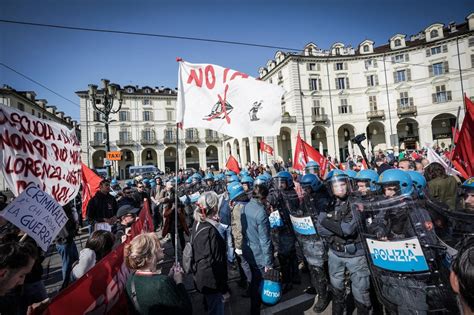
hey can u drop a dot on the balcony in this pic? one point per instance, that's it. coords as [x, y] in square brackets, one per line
[148, 141]
[286, 118]
[376, 114]
[212, 139]
[320, 119]
[124, 142]
[406, 110]
[169, 140]
[97, 143]
[193, 139]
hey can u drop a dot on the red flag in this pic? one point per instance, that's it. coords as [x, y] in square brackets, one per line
[90, 185]
[463, 155]
[266, 148]
[232, 164]
[305, 153]
[364, 164]
[455, 134]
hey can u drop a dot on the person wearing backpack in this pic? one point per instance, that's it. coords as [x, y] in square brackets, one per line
[209, 256]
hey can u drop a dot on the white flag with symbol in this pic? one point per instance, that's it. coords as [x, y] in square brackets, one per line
[227, 101]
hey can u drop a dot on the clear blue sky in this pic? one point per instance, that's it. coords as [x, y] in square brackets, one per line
[67, 61]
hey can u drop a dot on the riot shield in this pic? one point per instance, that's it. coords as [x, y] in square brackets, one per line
[404, 255]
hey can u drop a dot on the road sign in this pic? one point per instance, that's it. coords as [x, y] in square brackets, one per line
[107, 163]
[114, 155]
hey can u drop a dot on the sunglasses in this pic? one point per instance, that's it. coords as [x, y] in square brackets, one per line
[139, 186]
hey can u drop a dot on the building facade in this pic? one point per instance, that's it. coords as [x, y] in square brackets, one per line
[403, 95]
[26, 101]
[144, 131]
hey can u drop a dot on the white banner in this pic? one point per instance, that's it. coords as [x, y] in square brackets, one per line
[252, 107]
[37, 214]
[41, 152]
[303, 225]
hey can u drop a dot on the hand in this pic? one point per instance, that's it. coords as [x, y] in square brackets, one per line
[38, 308]
[177, 273]
[267, 268]
[226, 297]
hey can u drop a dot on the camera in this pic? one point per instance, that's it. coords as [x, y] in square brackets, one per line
[359, 138]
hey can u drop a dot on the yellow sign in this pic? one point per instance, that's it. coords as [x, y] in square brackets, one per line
[114, 156]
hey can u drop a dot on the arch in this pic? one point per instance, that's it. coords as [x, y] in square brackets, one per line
[228, 149]
[344, 135]
[212, 157]
[284, 144]
[246, 147]
[319, 139]
[407, 130]
[98, 159]
[236, 149]
[170, 159]
[375, 132]
[441, 129]
[192, 157]
[128, 159]
[149, 157]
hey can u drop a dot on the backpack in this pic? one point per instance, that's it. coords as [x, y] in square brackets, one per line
[188, 254]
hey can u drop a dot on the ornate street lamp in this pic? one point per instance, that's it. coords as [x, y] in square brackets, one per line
[107, 95]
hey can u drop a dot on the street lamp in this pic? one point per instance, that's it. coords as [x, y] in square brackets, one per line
[105, 108]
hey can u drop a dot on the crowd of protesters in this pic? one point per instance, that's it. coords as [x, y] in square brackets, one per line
[228, 218]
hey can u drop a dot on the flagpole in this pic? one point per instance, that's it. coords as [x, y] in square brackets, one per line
[456, 126]
[330, 106]
[178, 59]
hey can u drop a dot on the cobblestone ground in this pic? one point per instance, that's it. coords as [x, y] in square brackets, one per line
[294, 302]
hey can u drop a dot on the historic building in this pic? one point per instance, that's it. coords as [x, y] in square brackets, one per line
[402, 95]
[144, 130]
[26, 101]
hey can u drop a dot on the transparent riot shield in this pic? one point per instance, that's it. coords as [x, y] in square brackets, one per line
[404, 255]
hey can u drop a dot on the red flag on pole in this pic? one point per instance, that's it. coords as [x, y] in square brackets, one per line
[455, 134]
[232, 164]
[463, 155]
[90, 185]
[266, 148]
[305, 153]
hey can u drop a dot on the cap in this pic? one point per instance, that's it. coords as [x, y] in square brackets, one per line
[127, 209]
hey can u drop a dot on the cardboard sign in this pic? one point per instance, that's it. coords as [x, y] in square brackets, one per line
[37, 214]
[275, 219]
[114, 156]
[400, 256]
[303, 225]
[41, 152]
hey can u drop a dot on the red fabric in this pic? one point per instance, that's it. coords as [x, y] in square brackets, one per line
[455, 134]
[463, 155]
[266, 148]
[232, 164]
[90, 185]
[364, 163]
[102, 289]
[305, 153]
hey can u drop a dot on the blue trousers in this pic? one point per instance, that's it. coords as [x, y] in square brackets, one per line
[215, 304]
[69, 255]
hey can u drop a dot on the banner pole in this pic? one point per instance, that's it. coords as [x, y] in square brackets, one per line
[176, 200]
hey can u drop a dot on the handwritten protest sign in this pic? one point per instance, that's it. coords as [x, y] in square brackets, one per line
[40, 152]
[37, 214]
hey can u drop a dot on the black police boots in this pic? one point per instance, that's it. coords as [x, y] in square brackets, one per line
[321, 285]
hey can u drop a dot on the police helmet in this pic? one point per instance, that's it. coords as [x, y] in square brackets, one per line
[260, 180]
[189, 180]
[219, 177]
[369, 176]
[418, 180]
[334, 180]
[351, 173]
[235, 189]
[399, 178]
[232, 178]
[247, 180]
[244, 173]
[208, 176]
[152, 184]
[311, 180]
[312, 167]
[468, 184]
[130, 183]
[113, 182]
[196, 178]
[286, 177]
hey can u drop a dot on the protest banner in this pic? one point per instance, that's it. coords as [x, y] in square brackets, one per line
[37, 214]
[303, 225]
[41, 152]
[102, 289]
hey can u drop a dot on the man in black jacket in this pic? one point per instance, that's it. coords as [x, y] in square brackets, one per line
[102, 207]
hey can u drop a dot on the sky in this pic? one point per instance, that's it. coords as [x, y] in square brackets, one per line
[66, 61]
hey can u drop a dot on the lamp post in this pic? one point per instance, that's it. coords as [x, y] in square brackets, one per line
[107, 95]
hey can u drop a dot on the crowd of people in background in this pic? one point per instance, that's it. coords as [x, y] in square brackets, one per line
[246, 220]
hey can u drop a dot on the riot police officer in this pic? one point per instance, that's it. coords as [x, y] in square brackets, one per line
[366, 182]
[315, 200]
[209, 180]
[312, 167]
[339, 227]
[247, 183]
[467, 193]
[284, 200]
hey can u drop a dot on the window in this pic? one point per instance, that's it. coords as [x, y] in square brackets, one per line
[344, 108]
[147, 115]
[472, 61]
[434, 33]
[124, 135]
[130, 90]
[370, 63]
[21, 106]
[402, 75]
[342, 83]
[317, 110]
[441, 95]
[366, 48]
[314, 84]
[311, 66]
[372, 80]
[190, 133]
[146, 101]
[147, 91]
[404, 99]
[373, 102]
[338, 51]
[32, 112]
[124, 115]
[399, 58]
[435, 50]
[168, 102]
[438, 68]
[170, 115]
[280, 75]
[97, 116]
[169, 134]
[148, 134]
[340, 66]
[471, 41]
[398, 42]
[99, 135]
